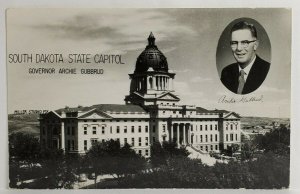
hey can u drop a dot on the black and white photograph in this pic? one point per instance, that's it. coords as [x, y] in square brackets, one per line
[149, 98]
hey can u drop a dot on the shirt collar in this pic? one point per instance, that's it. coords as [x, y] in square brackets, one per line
[247, 68]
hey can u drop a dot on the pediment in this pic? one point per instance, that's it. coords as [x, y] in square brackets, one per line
[95, 114]
[168, 96]
[232, 115]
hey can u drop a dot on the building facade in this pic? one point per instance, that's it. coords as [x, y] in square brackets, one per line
[152, 112]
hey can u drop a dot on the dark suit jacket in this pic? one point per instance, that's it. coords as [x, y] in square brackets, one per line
[257, 74]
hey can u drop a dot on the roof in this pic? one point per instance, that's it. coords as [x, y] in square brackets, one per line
[219, 111]
[201, 110]
[105, 108]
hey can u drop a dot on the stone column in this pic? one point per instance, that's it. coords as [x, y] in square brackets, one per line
[178, 134]
[172, 132]
[62, 135]
[184, 131]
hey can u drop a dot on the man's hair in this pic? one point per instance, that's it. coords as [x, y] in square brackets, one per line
[244, 25]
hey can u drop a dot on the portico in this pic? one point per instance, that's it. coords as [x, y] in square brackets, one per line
[180, 132]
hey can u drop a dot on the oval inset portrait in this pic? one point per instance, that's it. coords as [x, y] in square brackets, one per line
[243, 56]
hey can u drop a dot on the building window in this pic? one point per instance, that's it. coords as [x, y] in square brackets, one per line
[236, 137]
[84, 130]
[216, 147]
[94, 120]
[73, 145]
[153, 139]
[146, 129]
[216, 127]
[118, 129]
[140, 141]
[216, 137]
[73, 131]
[226, 127]
[211, 138]
[132, 141]
[132, 129]
[103, 130]
[85, 121]
[206, 140]
[201, 147]
[94, 130]
[69, 145]
[93, 141]
[231, 137]
[205, 127]
[85, 144]
[164, 138]
[125, 141]
[211, 147]
[147, 152]
[125, 129]
[211, 127]
[146, 141]
[118, 139]
[201, 139]
[200, 127]
[140, 129]
[231, 127]
[164, 128]
[68, 131]
[206, 148]
[226, 137]
[140, 152]
[110, 129]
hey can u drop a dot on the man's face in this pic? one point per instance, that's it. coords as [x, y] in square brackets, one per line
[242, 54]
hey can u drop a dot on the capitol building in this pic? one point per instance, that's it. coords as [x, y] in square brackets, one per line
[152, 112]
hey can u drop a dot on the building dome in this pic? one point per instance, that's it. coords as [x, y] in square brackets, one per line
[151, 57]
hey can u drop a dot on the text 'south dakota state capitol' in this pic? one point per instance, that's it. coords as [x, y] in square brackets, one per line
[64, 59]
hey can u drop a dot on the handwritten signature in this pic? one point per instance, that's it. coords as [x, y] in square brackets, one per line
[242, 99]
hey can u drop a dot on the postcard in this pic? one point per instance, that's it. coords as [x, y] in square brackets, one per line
[149, 98]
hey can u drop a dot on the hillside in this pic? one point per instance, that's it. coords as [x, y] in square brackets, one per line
[26, 123]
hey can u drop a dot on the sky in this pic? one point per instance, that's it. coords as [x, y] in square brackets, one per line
[187, 37]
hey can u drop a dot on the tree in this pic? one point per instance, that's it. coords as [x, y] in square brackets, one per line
[109, 157]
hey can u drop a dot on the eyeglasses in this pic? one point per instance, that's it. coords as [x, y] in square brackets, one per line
[244, 43]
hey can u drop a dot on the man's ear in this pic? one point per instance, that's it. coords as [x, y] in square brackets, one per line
[256, 43]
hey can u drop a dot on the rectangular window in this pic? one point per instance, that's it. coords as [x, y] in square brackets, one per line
[200, 127]
[84, 130]
[146, 141]
[103, 130]
[205, 127]
[140, 152]
[140, 129]
[132, 141]
[201, 139]
[164, 128]
[94, 130]
[140, 141]
[147, 152]
[72, 145]
[201, 147]
[118, 129]
[236, 137]
[125, 141]
[231, 127]
[211, 147]
[146, 129]
[153, 129]
[110, 129]
[206, 140]
[73, 131]
[118, 139]
[226, 137]
[216, 137]
[216, 147]
[164, 138]
[125, 129]
[216, 127]
[211, 127]
[132, 129]
[226, 127]
[206, 148]
[93, 141]
[211, 138]
[69, 145]
[231, 137]
[85, 144]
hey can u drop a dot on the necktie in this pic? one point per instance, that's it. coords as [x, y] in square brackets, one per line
[241, 82]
